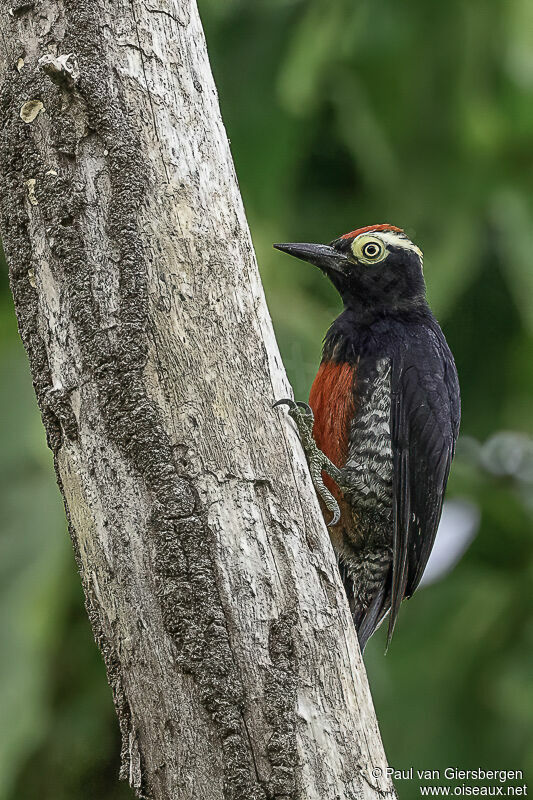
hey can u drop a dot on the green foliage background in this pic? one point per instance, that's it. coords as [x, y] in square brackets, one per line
[340, 114]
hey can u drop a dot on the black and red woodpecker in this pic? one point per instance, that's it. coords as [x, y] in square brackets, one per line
[382, 421]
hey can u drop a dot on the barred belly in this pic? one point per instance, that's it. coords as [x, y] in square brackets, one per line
[368, 474]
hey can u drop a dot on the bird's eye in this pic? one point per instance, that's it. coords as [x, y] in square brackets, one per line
[371, 250]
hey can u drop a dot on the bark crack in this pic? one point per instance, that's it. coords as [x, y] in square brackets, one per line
[143, 65]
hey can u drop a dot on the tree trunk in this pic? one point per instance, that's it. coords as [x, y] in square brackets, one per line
[209, 578]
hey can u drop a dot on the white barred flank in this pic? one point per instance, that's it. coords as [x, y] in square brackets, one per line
[369, 463]
[366, 552]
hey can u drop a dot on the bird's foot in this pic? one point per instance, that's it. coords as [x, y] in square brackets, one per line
[303, 416]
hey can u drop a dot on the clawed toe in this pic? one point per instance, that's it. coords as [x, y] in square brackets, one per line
[303, 416]
[286, 401]
[335, 518]
[307, 408]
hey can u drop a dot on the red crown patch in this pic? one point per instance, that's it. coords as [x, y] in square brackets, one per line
[383, 227]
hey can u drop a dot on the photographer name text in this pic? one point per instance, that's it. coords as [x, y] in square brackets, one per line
[455, 774]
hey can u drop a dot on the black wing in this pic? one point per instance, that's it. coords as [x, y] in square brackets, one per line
[425, 417]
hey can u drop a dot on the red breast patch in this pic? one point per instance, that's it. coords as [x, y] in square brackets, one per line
[332, 401]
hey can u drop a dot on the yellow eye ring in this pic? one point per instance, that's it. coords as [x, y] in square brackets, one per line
[369, 250]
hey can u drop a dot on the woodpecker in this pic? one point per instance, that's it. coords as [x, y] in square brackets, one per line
[380, 428]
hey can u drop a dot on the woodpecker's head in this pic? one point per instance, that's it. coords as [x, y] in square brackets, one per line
[377, 267]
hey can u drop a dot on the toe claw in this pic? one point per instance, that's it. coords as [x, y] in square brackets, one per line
[307, 408]
[335, 518]
[286, 401]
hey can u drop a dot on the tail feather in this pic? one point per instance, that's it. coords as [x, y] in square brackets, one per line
[366, 618]
[373, 616]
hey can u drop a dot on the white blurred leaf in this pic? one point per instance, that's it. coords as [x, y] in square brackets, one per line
[458, 527]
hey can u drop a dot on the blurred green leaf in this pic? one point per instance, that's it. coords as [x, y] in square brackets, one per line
[34, 552]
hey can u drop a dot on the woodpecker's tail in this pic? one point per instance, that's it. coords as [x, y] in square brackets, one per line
[366, 618]
[371, 618]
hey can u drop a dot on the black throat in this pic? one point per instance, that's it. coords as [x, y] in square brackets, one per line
[377, 331]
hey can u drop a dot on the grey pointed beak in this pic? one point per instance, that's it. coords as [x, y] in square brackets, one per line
[321, 255]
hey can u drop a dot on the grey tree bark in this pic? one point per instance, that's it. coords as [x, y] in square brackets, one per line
[208, 574]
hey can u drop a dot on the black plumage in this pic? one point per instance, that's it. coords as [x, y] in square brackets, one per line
[398, 418]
